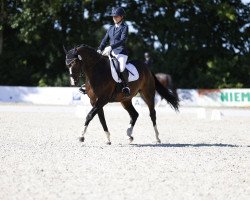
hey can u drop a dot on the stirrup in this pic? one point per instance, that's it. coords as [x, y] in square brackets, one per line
[126, 91]
[82, 89]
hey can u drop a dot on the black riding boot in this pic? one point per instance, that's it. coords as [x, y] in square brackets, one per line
[124, 78]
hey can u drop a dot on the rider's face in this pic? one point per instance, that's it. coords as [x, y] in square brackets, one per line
[117, 19]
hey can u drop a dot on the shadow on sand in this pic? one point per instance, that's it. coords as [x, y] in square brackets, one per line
[188, 145]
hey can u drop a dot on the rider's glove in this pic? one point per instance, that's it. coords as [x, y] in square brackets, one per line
[107, 51]
[99, 51]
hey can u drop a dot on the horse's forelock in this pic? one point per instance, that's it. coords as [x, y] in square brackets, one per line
[71, 54]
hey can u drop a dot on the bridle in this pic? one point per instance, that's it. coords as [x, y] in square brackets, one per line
[68, 62]
[76, 57]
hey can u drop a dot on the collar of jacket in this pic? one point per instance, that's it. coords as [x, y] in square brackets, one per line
[117, 29]
[118, 24]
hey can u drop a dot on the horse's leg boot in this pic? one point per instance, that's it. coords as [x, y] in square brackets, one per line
[124, 78]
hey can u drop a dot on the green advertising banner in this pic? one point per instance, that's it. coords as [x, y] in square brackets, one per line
[217, 97]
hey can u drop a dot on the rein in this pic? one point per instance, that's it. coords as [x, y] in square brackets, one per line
[81, 68]
[80, 58]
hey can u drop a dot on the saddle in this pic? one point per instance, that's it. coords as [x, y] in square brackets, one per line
[116, 65]
[130, 69]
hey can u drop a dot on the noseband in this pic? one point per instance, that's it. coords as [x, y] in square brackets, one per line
[69, 61]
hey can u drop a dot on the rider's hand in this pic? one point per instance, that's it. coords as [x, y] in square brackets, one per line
[107, 51]
[99, 51]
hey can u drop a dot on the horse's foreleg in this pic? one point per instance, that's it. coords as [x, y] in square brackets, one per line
[104, 125]
[90, 116]
[133, 117]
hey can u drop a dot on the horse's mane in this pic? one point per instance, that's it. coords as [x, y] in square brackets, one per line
[92, 50]
[84, 45]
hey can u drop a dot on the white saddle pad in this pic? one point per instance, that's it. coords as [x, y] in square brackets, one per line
[133, 76]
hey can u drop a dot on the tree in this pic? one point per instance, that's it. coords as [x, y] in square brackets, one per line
[200, 43]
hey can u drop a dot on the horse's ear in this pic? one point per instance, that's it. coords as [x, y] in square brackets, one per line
[75, 50]
[65, 50]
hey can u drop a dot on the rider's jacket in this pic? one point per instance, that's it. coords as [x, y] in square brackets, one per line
[117, 37]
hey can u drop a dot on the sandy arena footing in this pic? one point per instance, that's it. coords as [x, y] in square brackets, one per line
[199, 158]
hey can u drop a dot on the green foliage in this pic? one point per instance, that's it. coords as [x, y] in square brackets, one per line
[202, 44]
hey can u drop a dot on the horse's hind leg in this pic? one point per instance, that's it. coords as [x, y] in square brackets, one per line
[104, 125]
[133, 117]
[148, 97]
[153, 118]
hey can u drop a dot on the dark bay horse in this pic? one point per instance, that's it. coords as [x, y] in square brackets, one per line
[102, 89]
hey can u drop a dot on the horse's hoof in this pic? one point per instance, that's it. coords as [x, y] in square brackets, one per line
[130, 139]
[81, 139]
[158, 141]
[108, 143]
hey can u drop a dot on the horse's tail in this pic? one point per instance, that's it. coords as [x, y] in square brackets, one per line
[170, 82]
[171, 97]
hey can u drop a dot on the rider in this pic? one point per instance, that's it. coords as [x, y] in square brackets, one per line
[148, 61]
[147, 57]
[117, 36]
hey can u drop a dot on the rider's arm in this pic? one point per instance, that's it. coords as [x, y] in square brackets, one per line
[104, 41]
[123, 39]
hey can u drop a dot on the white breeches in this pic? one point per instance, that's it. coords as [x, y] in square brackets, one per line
[122, 60]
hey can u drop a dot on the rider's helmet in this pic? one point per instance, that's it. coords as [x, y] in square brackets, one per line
[146, 55]
[118, 12]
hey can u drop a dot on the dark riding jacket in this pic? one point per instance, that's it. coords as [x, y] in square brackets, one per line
[117, 38]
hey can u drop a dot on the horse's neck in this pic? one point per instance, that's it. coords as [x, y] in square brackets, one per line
[94, 67]
[89, 61]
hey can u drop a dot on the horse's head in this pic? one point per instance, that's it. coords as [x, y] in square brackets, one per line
[73, 62]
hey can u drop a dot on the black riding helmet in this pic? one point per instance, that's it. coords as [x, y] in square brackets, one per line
[118, 12]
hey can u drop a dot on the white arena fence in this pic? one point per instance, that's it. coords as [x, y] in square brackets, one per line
[71, 95]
